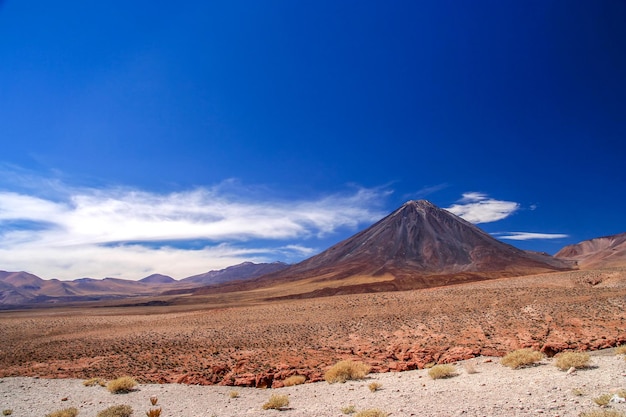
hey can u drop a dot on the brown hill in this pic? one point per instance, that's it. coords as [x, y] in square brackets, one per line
[244, 270]
[602, 252]
[417, 246]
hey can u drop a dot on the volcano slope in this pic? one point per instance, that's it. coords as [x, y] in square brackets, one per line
[261, 343]
[419, 245]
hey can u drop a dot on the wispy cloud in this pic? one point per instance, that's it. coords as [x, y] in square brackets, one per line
[529, 235]
[115, 231]
[479, 208]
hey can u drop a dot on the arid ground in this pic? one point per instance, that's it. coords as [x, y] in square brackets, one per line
[234, 339]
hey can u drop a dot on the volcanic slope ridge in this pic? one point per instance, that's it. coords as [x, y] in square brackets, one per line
[417, 246]
[601, 252]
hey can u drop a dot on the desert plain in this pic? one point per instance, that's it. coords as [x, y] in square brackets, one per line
[237, 339]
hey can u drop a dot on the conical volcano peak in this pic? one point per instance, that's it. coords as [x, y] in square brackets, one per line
[418, 203]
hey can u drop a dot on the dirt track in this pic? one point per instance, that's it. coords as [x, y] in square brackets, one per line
[260, 345]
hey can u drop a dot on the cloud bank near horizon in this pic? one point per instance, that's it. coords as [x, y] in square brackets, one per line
[55, 230]
[129, 233]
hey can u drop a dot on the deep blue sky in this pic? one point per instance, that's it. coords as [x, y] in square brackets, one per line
[154, 117]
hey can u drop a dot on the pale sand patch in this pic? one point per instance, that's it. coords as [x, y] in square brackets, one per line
[494, 390]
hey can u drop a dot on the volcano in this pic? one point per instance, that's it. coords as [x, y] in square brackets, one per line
[417, 246]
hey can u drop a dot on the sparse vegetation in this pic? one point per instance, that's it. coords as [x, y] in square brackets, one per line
[470, 367]
[372, 412]
[7, 412]
[374, 386]
[349, 409]
[442, 371]
[66, 412]
[154, 412]
[294, 380]
[567, 360]
[603, 399]
[117, 411]
[620, 350]
[603, 413]
[94, 381]
[276, 402]
[521, 358]
[343, 371]
[154, 400]
[121, 385]
[233, 394]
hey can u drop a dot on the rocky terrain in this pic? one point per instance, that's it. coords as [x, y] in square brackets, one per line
[482, 387]
[259, 344]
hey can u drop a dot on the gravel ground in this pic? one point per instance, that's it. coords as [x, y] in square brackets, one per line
[492, 390]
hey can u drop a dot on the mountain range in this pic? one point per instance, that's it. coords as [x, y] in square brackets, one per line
[417, 246]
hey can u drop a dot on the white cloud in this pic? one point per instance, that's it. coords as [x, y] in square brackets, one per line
[86, 232]
[479, 208]
[529, 235]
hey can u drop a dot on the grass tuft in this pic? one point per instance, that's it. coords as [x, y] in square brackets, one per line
[121, 385]
[602, 413]
[294, 380]
[66, 412]
[349, 409]
[94, 381]
[521, 358]
[7, 412]
[372, 412]
[276, 402]
[620, 350]
[375, 386]
[343, 371]
[233, 394]
[603, 400]
[116, 411]
[442, 371]
[567, 360]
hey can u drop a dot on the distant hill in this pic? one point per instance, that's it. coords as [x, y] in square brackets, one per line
[246, 270]
[158, 279]
[23, 288]
[601, 252]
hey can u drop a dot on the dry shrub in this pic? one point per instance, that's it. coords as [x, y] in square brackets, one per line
[154, 412]
[603, 399]
[66, 412]
[567, 360]
[117, 411]
[276, 402]
[602, 413]
[442, 371]
[349, 409]
[372, 412]
[233, 394]
[294, 380]
[374, 386]
[343, 371]
[521, 358]
[121, 385]
[620, 350]
[7, 412]
[94, 381]
[154, 400]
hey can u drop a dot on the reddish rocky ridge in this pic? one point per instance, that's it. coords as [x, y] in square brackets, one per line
[261, 345]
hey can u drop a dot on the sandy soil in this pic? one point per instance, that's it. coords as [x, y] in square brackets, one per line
[492, 390]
